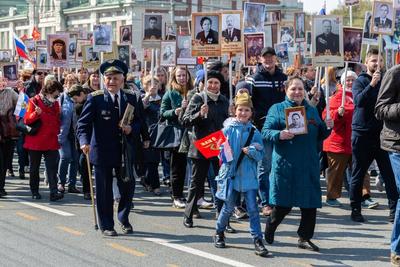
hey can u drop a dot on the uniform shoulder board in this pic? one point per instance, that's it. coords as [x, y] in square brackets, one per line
[97, 92]
[128, 91]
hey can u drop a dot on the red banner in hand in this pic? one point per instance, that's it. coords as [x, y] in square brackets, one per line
[209, 145]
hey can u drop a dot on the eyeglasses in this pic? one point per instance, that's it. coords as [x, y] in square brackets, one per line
[40, 73]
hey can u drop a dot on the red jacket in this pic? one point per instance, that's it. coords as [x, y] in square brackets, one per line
[46, 137]
[340, 139]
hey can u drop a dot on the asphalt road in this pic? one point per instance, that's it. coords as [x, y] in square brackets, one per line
[40, 233]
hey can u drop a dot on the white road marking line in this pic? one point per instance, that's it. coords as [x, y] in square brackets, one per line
[42, 207]
[198, 253]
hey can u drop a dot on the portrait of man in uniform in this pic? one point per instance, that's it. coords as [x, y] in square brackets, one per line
[152, 27]
[229, 32]
[327, 43]
[101, 35]
[299, 21]
[10, 72]
[282, 53]
[5, 55]
[254, 17]
[123, 54]
[91, 55]
[253, 44]
[207, 33]
[383, 18]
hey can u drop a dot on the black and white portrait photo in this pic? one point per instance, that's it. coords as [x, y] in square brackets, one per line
[383, 15]
[273, 17]
[231, 31]
[102, 38]
[152, 27]
[170, 32]
[327, 45]
[168, 53]
[286, 34]
[296, 122]
[254, 17]
[5, 55]
[125, 34]
[299, 26]
[72, 48]
[184, 51]
[368, 37]
[91, 58]
[206, 29]
[41, 57]
[124, 54]
[389, 58]
[10, 72]
[79, 52]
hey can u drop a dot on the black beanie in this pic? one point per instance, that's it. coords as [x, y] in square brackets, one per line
[215, 74]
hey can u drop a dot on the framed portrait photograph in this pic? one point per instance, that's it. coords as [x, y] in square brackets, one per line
[232, 34]
[253, 44]
[184, 51]
[57, 49]
[71, 50]
[134, 60]
[352, 42]
[124, 54]
[40, 42]
[168, 54]
[368, 37]
[273, 17]
[327, 45]
[113, 54]
[91, 59]
[42, 57]
[383, 18]
[205, 34]
[10, 72]
[79, 52]
[102, 38]
[5, 55]
[308, 43]
[152, 26]
[395, 38]
[125, 34]
[296, 120]
[286, 33]
[147, 55]
[299, 27]
[170, 31]
[282, 52]
[254, 17]
[389, 58]
[30, 44]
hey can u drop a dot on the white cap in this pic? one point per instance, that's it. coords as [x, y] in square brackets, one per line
[350, 73]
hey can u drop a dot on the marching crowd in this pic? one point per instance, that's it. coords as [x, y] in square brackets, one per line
[70, 119]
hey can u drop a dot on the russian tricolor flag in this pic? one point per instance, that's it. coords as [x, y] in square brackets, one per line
[22, 105]
[226, 154]
[20, 47]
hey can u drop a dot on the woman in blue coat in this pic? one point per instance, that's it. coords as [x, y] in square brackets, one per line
[294, 178]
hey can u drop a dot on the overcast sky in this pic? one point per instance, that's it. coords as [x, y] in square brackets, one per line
[312, 6]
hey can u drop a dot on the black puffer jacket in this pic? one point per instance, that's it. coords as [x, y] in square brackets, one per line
[201, 127]
[387, 108]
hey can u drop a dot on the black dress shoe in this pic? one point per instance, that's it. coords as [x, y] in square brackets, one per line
[36, 196]
[219, 240]
[356, 216]
[126, 229]
[187, 222]
[73, 190]
[111, 232]
[259, 248]
[87, 196]
[56, 196]
[230, 230]
[307, 244]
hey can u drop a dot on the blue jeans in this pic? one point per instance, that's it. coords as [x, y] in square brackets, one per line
[264, 169]
[69, 158]
[252, 210]
[395, 242]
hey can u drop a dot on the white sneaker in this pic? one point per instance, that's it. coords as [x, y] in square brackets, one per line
[203, 204]
[369, 203]
[179, 204]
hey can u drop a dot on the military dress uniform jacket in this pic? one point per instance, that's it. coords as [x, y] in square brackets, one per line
[98, 126]
[326, 42]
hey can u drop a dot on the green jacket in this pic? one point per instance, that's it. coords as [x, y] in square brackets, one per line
[171, 100]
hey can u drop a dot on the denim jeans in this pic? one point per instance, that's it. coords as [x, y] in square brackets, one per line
[264, 169]
[69, 158]
[395, 242]
[252, 210]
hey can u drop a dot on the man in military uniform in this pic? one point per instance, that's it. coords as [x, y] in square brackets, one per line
[101, 135]
[152, 33]
[327, 43]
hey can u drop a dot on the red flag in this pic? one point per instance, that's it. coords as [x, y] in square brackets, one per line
[209, 145]
[23, 37]
[36, 34]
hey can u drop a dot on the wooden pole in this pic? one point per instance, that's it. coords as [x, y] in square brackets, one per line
[205, 83]
[328, 116]
[230, 80]
[344, 85]
[152, 67]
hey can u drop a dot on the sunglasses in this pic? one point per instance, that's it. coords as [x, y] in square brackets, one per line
[40, 73]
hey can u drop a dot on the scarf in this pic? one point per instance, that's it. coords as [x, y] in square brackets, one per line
[46, 101]
[213, 96]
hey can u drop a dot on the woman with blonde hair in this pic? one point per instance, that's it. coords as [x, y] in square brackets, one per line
[173, 105]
